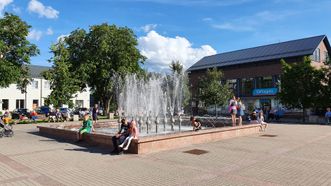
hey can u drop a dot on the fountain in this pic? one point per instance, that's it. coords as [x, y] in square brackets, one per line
[155, 103]
[155, 98]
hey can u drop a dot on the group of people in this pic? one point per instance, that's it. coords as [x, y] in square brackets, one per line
[236, 109]
[5, 126]
[121, 141]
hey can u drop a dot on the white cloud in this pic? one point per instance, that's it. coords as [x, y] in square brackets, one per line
[61, 37]
[35, 34]
[233, 27]
[207, 19]
[44, 11]
[148, 27]
[49, 31]
[251, 23]
[3, 4]
[161, 50]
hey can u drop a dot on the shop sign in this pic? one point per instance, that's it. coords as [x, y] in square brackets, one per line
[265, 91]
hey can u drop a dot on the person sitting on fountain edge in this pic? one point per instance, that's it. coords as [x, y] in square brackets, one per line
[195, 123]
[87, 127]
[133, 134]
[121, 135]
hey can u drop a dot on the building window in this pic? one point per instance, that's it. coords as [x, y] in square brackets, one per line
[232, 83]
[79, 103]
[47, 85]
[326, 56]
[317, 55]
[19, 103]
[34, 84]
[247, 85]
[5, 104]
[35, 103]
[267, 82]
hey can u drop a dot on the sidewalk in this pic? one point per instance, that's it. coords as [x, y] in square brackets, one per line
[290, 155]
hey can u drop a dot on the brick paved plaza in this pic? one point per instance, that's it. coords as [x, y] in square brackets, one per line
[298, 155]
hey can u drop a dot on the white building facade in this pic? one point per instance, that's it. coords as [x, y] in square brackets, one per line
[37, 91]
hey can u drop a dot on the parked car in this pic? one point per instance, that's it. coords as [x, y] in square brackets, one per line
[67, 114]
[80, 111]
[21, 112]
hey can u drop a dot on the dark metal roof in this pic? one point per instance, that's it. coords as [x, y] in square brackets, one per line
[35, 71]
[300, 47]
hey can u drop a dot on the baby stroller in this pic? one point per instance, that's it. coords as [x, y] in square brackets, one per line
[6, 129]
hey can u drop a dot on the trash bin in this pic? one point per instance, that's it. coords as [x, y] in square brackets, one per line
[76, 117]
[111, 115]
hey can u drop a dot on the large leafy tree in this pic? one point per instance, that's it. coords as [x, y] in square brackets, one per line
[326, 89]
[15, 51]
[96, 56]
[301, 85]
[63, 83]
[211, 89]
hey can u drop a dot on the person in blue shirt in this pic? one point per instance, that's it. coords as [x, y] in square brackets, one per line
[328, 115]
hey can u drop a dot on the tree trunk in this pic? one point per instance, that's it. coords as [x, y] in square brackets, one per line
[304, 115]
[216, 111]
[106, 102]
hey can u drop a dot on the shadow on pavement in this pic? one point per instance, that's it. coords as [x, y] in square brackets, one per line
[83, 146]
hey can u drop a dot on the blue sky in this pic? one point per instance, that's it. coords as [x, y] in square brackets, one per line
[184, 30]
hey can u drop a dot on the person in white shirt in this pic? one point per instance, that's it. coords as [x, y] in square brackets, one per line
[260, 119]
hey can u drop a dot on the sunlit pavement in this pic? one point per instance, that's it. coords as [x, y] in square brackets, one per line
[283, 155]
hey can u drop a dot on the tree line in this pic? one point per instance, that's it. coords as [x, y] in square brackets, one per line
[90, 58]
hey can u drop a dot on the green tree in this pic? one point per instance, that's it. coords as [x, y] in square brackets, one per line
[325, 100]
[301, 85]
[328, 61]
[96, 56]
[176, 67]
[110, 50]
[15, 51]
[212, 91]
[62, 82]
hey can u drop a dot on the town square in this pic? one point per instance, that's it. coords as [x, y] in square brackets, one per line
[164, 92]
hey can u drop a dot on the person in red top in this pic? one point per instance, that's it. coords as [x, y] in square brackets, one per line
[34, 116]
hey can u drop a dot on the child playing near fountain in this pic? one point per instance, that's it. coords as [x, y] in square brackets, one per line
[260, 119]
[195, 123]
[133, 134]
[86, 128]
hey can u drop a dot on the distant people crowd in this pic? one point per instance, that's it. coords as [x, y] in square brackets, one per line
[237, 110]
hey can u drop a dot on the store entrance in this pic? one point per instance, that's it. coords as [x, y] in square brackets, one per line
[265, 104]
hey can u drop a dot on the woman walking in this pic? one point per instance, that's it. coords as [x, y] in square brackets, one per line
[240, 111]
[233, 112]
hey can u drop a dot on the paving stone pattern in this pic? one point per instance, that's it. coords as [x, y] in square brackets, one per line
[298, 155]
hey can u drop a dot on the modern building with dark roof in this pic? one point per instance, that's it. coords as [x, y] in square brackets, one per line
[253, 73]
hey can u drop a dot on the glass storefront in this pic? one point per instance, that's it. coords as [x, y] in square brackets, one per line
[247, 85]
[264, 82]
